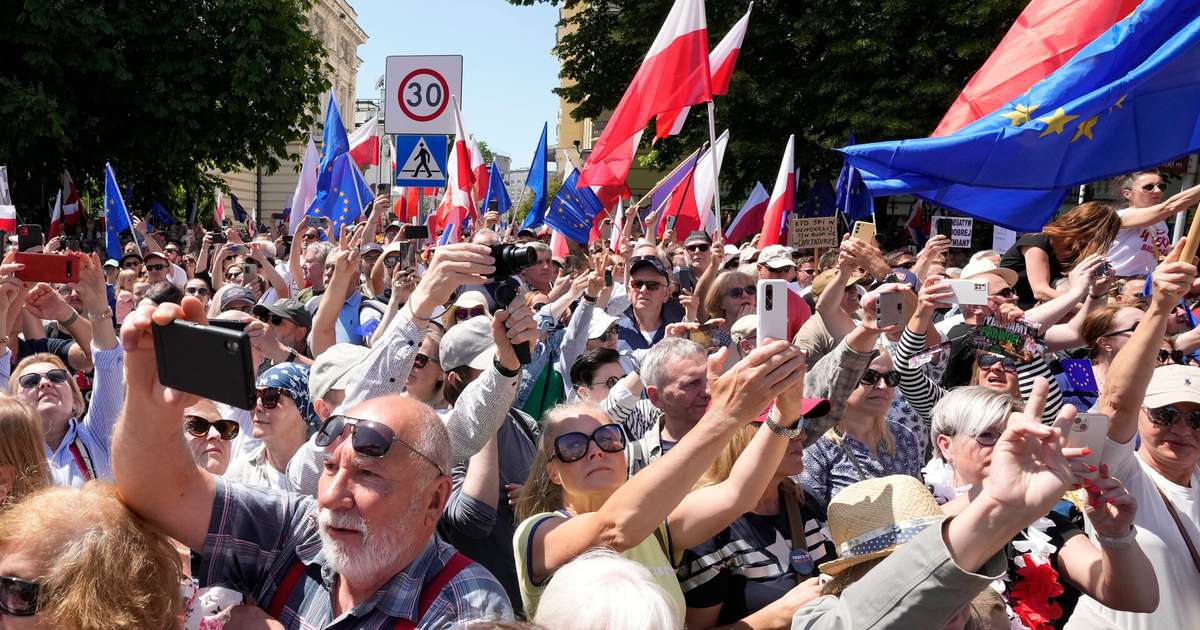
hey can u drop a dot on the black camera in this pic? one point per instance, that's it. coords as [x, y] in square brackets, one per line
[511, 259]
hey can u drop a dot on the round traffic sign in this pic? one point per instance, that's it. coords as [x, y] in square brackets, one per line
[423, 94]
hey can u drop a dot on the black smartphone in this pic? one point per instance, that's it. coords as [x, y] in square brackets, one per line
[945, 227]
[207, 361]
[228, 324]
[414, 232]
[608, 277]
[29, 235]
[217, 238]
[671, 221]
[686, 279]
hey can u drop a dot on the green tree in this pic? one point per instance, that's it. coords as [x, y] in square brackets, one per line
[887, 68]
[168, 92]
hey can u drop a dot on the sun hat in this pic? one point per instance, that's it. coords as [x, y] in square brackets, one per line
[982, 266]
[871, 518]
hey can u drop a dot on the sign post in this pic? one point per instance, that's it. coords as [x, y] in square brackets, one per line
[417, 93]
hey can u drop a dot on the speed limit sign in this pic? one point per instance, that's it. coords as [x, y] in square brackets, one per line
[418, 90]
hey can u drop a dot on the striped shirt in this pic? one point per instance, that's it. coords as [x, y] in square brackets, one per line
[255, 536]
[88, 443]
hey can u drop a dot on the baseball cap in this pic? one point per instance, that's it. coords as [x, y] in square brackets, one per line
[651, 262]
[776, 257]
[1172, 384]
[748, 255]
[332, 368]
[697, 236]
[468, 343]
[394, 225]
[133, 255]
[982, 266]
[600, 323]
[111, 263]
[370, 247]
[158, 255]
[825, 277]
[235, 293]
[287, 308]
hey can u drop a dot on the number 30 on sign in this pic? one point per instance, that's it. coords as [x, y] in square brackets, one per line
[418, 90]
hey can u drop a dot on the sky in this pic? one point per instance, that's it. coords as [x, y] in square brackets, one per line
[508, 68]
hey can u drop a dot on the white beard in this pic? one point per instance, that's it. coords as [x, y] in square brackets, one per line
[378, 552]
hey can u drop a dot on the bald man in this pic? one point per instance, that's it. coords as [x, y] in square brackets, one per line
[308, 563]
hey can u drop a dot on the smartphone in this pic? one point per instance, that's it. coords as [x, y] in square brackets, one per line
[1089, 430]
[250, 269]
[772, 310]
[943, 227]
[207, 361]
[889, 310]
[29, 235]
[1105, 269]
[671, 222]
[971, 292]
[686, 280]
[608, 278]
[48, 267]
[217, 238]
[863, 231]
[414, 232]
[228, 324]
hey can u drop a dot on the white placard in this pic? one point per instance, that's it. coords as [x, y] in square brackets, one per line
[417, 92]
[960, 230]
[1003, 239]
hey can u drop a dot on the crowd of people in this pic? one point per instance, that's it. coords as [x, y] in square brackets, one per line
[487, 435]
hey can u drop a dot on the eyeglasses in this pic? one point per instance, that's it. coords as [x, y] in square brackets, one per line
[697, 248]
[367, 437]
[233, 274]
[988, 437]
[269, 396]
[18, 598]
[808, 270]
[391, 261]
[1153, 187]
[906, 265]
[30, 380]
[871, 378]
[1167, 416]
[200, 291]
[1123, 331]
[646, 285]
[463, 314]
[273, 319]
[155, 267]
[609, 382]
[1173, 356]
[573, 446]
[737, 292]
[198, 427]
[987, 361]
[309, 236]
[422, 360]
[1006, 293]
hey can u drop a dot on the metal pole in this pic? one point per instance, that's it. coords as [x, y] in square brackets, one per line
[1189, 180]
[712, 142]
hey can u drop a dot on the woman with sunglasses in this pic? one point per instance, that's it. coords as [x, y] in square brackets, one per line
[427, 378]
[967, 423]
[283, 420]
[209, 436]
[578, 495]
[1105, 331]
[1144, 236]
[1043, 258]
[732, 296]
[468, 304]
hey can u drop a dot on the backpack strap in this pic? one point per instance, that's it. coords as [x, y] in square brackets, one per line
[283, 592]
[430, 591]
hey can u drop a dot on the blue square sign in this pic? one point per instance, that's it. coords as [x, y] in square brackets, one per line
[421, 161]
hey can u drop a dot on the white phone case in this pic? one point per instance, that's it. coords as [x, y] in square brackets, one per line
[772, 310]
[973, 292]
[1089, 430]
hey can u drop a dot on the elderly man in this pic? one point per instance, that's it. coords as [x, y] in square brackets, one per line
[697, 248]
[364, 554]
[651, 306]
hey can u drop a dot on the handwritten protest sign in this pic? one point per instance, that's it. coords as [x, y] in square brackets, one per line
[810, 233]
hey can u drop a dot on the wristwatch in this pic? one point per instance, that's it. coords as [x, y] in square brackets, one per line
[782, 431]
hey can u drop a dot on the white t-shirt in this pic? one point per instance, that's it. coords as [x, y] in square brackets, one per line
[1160, 540]
[1135, 251]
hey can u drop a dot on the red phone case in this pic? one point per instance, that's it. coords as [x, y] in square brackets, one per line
[48, 267]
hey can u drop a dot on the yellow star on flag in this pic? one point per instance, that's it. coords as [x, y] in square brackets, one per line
[1120, 104]
[1055, 122]
[1085, 128]
[1020, 114]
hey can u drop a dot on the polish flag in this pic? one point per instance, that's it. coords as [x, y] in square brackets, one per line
[618, 226]
[674, 74]
[783, 197]
[610, 173]
[56, 217]
[749, 219]
[8, 212]
[480, 174]
[364, 143]
[453, 230]
[691, 201]
[219, 210]
[460, 180]
[720, 63]
[70, 206]
[559, 250]
[1045, 36]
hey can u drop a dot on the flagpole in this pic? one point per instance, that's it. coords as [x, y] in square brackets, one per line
[660, 183]
[712, 142]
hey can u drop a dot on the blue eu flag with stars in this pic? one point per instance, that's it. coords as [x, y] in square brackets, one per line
[347, 193]
[116, 215]
[1128, 100]
[572, 210]
[1079, 375]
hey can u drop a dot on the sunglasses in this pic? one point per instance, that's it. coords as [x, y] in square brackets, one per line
[646, 285]
[808, 270]
[1123, 331]
[697, 248]
[607, 335]
[988, 437]
[463, 314]
[737, 292]
[573, 446]
[273, 319]
[367, 437]
[155, 267]
[1167, 416]
[198, 427]
[233, 275]
[609, 382]
[200, 291]
[391, 261]
[988, 361]
[309, 236]
[1153, 187]
[31, 380]
[18, 598]
[130, 265]
[269, 396]
[1172, 356]
[421, 360]
[871, 378]
[1006, 293]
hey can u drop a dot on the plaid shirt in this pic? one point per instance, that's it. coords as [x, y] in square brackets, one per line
[256, 535]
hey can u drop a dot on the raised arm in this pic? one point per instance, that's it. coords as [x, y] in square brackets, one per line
[282, 289]
[345, 268]
[1037, 271]
[1082, 280]
[1143, 217]
[44, 303]
[934, 251]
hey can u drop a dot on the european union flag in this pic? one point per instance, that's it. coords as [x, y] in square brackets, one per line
[853, 200]
[333, 145]
[116, 215]
[496, 192]
[821, 201]
[345, 196]
[1128, 100]
[160, 214]
[239, 212]
[1079, 375]
[536, 181]
[573, 209]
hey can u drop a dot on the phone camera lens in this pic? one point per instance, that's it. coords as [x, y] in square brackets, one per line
[769, 293]
[231, 346]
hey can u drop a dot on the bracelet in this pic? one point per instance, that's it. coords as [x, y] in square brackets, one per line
[505, 372]
[66, 323]
[414, 316]
[105, 314]
[1096, 297]
[782, 431]
[589, 299]
[1117, 542]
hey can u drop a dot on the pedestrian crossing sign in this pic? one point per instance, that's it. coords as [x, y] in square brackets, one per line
[422, 161]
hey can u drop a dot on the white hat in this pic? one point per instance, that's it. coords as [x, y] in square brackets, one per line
[776, 257]
[1173, 384]
[982, 266]
[468, 343]
[332, 369]
[600, 323]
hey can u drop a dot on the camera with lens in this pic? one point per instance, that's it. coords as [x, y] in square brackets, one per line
[511, 259]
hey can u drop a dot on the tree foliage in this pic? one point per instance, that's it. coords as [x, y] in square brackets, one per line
[168, 92]
[888, 69]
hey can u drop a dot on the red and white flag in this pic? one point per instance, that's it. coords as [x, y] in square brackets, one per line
[460, 178]
[306, 186]
[364, 143]
[617, 227]
[783, 197]
[480, 174]
[720, 63]
[691, 200]
[749, 219]
[609, 174]
[219, 210]
[70, 204]
[8, 212]
[674, 74]
[56, 217]
[559, 250]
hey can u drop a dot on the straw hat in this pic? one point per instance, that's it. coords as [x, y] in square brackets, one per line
[871, 518]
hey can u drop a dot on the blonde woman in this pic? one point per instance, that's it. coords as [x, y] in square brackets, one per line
[731, 297]
[23, 468]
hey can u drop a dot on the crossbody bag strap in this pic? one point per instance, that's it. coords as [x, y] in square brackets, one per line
[862, 476]
[1187, 538]
[789, 492]
[82, 457]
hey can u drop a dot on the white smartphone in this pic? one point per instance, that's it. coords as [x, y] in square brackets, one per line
[889, 310]
[1089, 430]
[973, 292]
[772, 310]
[863, 231]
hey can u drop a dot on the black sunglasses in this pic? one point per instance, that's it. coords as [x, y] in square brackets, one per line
[269, 396]
[199, 427]
[607, 335]
[367, 437]
[646, 285]
[130, 265]
[1121, 332]
[988, 437]
[1174, 356]
[871, 378]
[1167, 416]
[57, 376]
[18, 597]
[273, 319]
[200, 291]
[987, 361]
[609, 382]
[155, 267]
[737, 292]
[573, 446]
[1006, 293]
[697, 248]
[421, 360]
